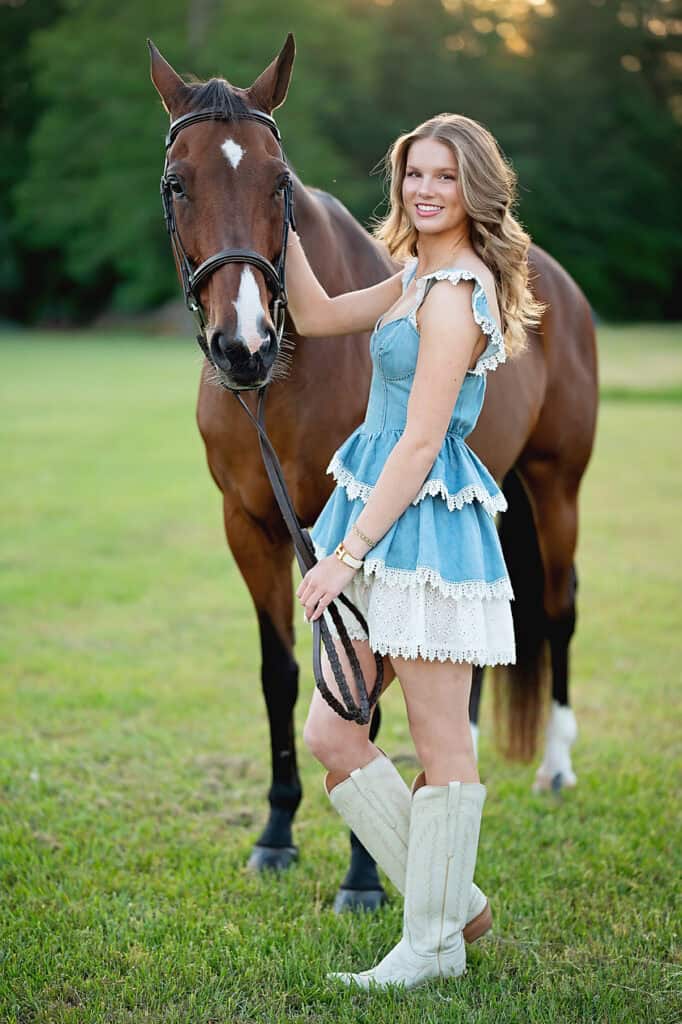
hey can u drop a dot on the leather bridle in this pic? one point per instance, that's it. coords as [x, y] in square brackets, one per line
[192, 280]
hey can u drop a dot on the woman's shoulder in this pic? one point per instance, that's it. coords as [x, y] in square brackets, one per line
[482, 306]
[473, 267]
[470, 268]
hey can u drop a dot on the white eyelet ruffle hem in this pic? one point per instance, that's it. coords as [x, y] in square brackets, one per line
[413, 614]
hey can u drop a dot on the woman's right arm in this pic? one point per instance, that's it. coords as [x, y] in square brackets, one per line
[317, 315]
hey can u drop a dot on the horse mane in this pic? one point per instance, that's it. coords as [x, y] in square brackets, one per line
[216, 94]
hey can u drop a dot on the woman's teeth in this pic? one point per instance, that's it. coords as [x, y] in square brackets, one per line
[427, 210]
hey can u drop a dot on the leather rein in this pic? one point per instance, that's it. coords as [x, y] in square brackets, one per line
[193, 278]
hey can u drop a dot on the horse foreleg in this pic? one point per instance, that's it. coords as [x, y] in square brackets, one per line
[265, 564]
[279, 678]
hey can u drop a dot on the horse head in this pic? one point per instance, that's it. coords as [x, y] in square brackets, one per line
[227, 188]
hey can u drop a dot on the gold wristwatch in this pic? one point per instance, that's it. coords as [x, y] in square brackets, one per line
[345, 556]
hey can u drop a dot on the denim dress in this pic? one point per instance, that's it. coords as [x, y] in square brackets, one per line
[435, 586]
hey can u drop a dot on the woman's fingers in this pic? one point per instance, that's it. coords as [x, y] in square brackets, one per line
[303, 588]
[315, 604]
[311, 601]
[324, 601]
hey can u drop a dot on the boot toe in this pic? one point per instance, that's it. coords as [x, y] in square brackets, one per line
[348, 978]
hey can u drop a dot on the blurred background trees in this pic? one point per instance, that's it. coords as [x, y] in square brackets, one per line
[585, 97]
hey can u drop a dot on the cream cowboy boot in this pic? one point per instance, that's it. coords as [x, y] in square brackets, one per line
[375, 803]
[441, 856]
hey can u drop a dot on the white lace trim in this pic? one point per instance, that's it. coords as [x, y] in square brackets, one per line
[422, 575]
[477, 657]
[420, 650]
[421, 622]
[492, 503]
[354, 488]
[487, 324]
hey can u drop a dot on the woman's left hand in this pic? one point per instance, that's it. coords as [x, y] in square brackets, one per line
[322, 584]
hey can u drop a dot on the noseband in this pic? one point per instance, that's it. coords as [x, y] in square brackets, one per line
[192, 281]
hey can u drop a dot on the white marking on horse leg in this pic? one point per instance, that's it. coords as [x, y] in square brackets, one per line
[556, 770]
[249, 311]
[232, 152]
[474, 738]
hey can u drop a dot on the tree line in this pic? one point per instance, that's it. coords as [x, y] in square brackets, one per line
[585, 97]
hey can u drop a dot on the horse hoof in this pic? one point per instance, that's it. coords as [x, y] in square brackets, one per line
[272, 858]
[554, 783]
[359, 899]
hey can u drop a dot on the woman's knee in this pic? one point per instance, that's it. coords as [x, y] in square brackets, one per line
[334, 742]
[316, 739]
[325, 739]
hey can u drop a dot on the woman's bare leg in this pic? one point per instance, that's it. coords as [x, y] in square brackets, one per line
[339, 745]
[437, 700]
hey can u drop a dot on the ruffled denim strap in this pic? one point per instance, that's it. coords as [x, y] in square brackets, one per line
[494, 353]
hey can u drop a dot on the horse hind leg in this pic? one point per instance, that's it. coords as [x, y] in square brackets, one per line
[556, 770]
[475, 704]
[556, 512]
[518, 688]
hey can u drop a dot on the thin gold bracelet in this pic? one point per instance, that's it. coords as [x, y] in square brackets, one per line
[363, 536]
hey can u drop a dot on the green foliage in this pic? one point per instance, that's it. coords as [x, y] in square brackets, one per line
[597, 147]
[20, 109]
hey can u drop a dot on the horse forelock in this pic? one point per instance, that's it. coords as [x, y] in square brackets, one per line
[216, 94]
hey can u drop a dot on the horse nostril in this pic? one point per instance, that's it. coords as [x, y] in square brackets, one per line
[271, 344]
[220, 346]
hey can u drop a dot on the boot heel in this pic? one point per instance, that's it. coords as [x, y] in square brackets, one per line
[479, 925]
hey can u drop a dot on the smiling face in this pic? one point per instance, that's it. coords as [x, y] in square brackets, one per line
[430, 190]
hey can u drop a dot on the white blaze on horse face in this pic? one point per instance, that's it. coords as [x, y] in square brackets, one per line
[232, 151]
[249, 311]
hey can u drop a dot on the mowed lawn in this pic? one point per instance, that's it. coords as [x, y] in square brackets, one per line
[134, 751]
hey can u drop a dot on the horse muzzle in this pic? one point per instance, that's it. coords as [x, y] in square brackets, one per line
[237, 366]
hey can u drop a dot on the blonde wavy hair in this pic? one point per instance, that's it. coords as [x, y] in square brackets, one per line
[488, 190]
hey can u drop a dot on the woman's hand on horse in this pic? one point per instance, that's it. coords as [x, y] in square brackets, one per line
[322, 584]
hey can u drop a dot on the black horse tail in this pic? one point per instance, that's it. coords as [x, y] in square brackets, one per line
[520, 688]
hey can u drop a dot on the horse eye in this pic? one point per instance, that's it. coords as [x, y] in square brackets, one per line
[177, 187]
[282, 183]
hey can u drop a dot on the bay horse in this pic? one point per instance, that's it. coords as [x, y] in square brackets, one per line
[535, 432]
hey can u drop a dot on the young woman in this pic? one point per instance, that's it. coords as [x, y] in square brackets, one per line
[409, 533]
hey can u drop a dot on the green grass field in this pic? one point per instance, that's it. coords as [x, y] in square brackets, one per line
[134, 751]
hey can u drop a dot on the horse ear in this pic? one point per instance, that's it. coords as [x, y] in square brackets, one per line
[169, 85]
[269, 90]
